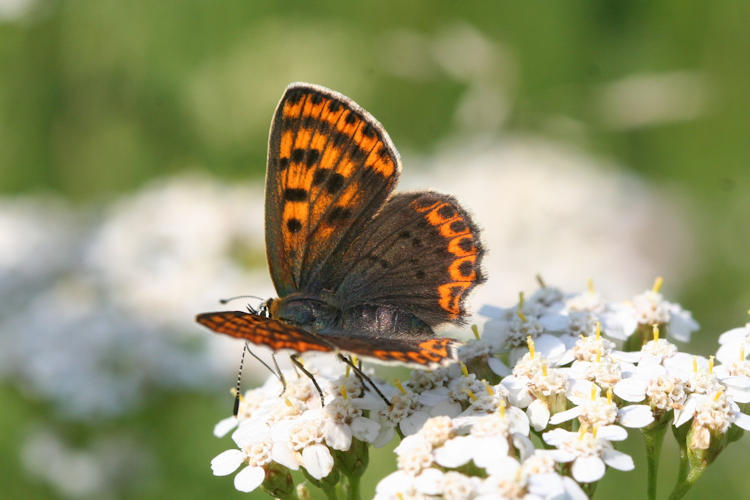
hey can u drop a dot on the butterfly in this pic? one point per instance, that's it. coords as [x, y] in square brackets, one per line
[358, 270]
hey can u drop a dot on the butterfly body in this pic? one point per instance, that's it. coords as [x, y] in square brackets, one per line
[320, 317]
[357, 268]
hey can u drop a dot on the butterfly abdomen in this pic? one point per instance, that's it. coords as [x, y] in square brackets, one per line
[382, 320]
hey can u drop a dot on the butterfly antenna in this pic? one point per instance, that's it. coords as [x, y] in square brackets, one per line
[298, 363]
[228, 300]
[236, 409]
[359, 372]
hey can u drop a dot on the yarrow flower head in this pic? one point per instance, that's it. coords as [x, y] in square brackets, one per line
[552, 367]
[645, 310]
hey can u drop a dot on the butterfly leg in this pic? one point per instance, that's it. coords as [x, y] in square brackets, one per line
[365, 377]
[298, 363]
[359, 377]
[279, 373]
[276, 372]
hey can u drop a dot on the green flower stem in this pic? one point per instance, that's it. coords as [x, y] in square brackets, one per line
[352, 490]
[680, 434]
[682, 472]
[589, 489]
[694, 460]
[682, 487]
[327, 484]
[653, 437]
[352, 464]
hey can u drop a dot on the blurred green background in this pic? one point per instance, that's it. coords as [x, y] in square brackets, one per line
[97, 97]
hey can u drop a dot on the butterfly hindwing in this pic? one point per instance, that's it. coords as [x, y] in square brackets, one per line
[422, 351]
[331, 166]
[421, 254]
[263, 331]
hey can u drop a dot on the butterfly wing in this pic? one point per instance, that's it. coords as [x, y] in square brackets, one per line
[263, 331]
[331, 166]
[420, 254]
[423, 351]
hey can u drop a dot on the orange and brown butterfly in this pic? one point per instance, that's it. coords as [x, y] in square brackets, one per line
[358, 269]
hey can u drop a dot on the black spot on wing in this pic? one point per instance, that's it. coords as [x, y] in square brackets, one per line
[313, 155]
[320, 176]
[368, 131]
[335, 183]
[466, 244]
[294, 95]
[339, 215]
[298, 154]
[295, 194]
[446, 211]
[458, 226]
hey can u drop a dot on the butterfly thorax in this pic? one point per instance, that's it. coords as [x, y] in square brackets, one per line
[309, 312]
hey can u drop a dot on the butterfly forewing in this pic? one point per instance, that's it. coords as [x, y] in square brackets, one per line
[422, 351]
[331, 167]
[263, 331]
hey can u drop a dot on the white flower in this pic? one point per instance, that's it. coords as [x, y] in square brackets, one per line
[658, 351]
[225, 425]
[305, 435]
[406, 412]
[650, 380]
[596, 411]
[457, 486]
[437, 430]
[649, 308]
[398, 485]
[606, 371]
[549, 387]
[512, 334]
[589, 301]
[619, 321]
[488, 442]
[414, 454]
[695, 371]
[591, 347]
[589, 453]
[504, 483]
[712, 414]
[739, 335]
[255, 450]
[543, 480]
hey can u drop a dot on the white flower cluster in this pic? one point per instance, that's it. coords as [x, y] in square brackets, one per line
[542, 373]
[94, 300]
[293, 429]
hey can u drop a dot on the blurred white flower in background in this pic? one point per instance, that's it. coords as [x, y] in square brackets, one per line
[98, 305]
[15, 10]
[114, 463]
[650, 99]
